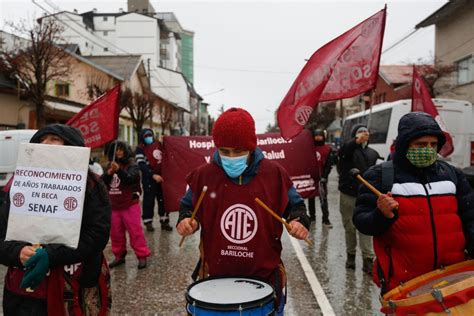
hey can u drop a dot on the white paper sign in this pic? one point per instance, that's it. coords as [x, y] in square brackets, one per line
[47, 194]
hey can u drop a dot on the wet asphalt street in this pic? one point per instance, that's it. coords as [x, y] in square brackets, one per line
[160, 288]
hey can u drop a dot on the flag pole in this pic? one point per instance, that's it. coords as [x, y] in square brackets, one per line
[378, 66]
[115, 150]
[372, 98]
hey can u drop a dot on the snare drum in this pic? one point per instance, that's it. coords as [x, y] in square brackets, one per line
[447, 291]
[230, 296]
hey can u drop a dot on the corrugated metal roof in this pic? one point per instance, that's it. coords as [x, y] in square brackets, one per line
[396, 74]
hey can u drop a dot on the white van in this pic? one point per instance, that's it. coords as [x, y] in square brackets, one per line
[456, 114]
[9, 142]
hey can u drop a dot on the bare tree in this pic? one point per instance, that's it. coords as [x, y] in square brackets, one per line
[322, 116]
[139, 106]
[165, 111]
[41, 62]
[437, 76]
[272, 128]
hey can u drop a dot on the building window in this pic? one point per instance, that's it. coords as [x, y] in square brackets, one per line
[105, 18]
[106, 33]
[62, 89]
[465, 70]
[87, 44]
[121, 132]
[106, 49]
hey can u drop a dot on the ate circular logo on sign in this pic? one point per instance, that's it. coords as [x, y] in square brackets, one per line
[70, 204]
[18, 199]
[302, 114]
[239, 224]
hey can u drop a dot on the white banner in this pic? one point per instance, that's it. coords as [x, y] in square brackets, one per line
[47, 194]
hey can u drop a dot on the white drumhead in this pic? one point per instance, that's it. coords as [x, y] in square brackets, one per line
[230, 291]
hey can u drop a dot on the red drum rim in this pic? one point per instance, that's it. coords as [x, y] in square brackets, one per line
[396, 300]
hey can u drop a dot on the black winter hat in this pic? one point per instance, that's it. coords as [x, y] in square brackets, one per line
[71, 136]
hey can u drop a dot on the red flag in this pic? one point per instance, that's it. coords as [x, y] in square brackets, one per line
[421, 101]
[98, 122]
[343, 68]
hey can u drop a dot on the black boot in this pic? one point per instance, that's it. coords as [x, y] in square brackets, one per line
[165, 225]
[327, 223]
[117, 262]
[367, 265]
[149, 227]
[141, 263]
[350, 262]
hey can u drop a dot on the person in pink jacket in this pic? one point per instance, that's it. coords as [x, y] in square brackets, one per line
[123, 183]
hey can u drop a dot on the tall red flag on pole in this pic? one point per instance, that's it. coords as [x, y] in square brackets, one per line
[421, 101]
[98, 121]
[343, 68]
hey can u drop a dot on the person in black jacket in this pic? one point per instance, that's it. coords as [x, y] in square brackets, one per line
[149, 155]
[425, 218]
[354, 153]
[81, 267]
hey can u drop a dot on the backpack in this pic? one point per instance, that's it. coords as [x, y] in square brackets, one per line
[388, 174]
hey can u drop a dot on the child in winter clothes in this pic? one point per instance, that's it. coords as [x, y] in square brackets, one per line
[123, 183]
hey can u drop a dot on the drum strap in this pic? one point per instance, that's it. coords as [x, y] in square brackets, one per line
[195, 273]
[387, 176]
[383, 285]
[385, 281]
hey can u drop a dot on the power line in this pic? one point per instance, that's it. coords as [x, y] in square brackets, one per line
[247, 70]
[57, 8]
[399, 41]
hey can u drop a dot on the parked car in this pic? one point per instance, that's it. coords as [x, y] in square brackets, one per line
[9, 143]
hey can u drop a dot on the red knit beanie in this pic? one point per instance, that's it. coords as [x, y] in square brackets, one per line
[235, 128]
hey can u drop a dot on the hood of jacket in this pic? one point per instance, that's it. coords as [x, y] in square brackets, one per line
[142, 134]
[319, 132]
[414, 125]
[127, 151]
[355, 128]
[71, 136]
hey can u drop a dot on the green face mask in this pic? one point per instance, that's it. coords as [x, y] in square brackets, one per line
[422, 157]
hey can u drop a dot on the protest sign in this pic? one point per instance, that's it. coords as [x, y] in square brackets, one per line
[47, 194]
[183, 154]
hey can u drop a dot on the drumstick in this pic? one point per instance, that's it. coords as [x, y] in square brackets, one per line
[196, 207]
[269, 210]
[356, 173]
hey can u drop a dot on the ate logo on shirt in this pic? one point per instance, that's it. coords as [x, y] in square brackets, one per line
[157, 155]
[115, 183]
[239, 224]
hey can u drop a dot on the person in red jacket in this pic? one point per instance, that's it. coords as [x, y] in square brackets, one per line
[425, 218]
[325, 157]
[123, 183]
[230, 218]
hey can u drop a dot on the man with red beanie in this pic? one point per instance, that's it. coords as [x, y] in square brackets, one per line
[229, 217]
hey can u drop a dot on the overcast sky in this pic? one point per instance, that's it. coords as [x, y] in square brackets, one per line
[248, 53]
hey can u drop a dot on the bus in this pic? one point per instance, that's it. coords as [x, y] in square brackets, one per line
[456, 114]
